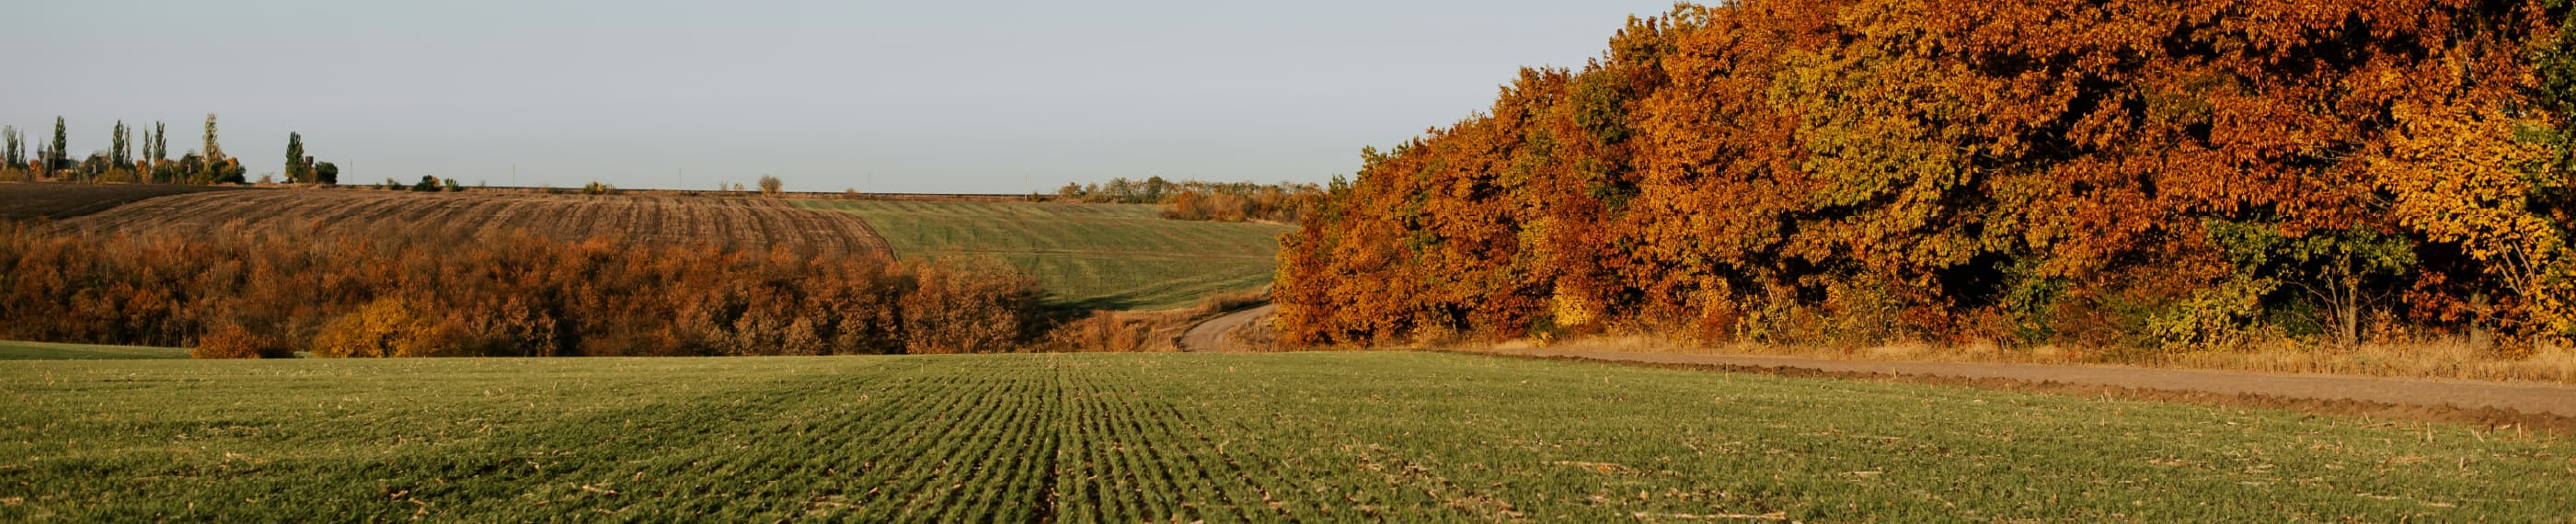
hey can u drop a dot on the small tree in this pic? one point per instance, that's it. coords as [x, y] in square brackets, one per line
[326, 173]
[427, 183]
[769, 185]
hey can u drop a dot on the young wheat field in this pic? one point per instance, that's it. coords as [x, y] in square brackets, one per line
[1133, 437]
[1094, 256]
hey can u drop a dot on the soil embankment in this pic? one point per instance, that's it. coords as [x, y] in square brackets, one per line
[2547, 407]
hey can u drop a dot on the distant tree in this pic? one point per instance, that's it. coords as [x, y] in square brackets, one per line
[427, 183]
[121, 150]
[230, 171]
[56, 157]
[453, 187]
[295, 158]
[160, 143]
[214, 153]
[17, 156]
[326, 173]
[769, 185]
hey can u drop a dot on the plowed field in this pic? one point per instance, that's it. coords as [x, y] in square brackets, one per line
[753, 223]
[57, 200]
[1314, 437]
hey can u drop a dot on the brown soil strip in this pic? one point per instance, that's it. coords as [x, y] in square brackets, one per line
[2492, 405]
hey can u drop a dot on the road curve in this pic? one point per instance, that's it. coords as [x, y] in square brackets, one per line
[1209, 336]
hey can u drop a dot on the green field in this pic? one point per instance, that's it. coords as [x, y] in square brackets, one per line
[1097, 256]
[1094, 437]
[10, 350]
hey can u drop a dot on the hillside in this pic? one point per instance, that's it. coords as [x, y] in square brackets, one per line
[1093, 256]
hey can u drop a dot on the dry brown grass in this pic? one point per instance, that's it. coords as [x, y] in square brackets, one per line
[736, 223]
[2434, 358]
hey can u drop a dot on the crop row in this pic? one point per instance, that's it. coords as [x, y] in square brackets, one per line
[729, 222]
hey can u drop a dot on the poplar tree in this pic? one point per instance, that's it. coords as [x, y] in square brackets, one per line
[214, 153]
[120, 149]
[160, 143]
[62, 142]
[295, 158]
[17, 156]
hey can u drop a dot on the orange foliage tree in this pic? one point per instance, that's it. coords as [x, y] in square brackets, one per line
[2132, 172]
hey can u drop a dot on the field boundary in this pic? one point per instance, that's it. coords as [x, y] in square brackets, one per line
[2490, 416]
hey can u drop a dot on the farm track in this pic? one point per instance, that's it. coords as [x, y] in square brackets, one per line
[2526, 404]
[734, 223]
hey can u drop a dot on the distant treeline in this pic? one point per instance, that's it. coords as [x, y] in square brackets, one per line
[2126, 173]
[146, 161]
[1200, 200]
[415, 293]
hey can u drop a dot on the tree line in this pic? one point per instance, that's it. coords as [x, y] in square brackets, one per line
[1284, 202]
[2123, 173]
[148, 160]
[407, 292]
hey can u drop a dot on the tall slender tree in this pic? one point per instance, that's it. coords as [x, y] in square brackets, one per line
[17, 145]
[120, 148]
[160, 143]
[62, 142]
[213, 158]
[295, 159]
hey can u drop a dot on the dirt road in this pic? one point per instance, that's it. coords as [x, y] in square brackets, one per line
[1209, 336]
[2553, 399]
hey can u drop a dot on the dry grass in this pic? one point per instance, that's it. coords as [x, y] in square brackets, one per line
[2438, 358]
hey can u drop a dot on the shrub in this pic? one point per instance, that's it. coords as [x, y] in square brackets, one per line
[389, 327]
[230, 340]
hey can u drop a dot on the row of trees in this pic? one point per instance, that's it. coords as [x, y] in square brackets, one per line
[120, 163]
[1202, 200]
[2141, 173]
[410, 292]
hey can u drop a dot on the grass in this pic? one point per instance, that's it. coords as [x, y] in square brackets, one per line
[1091, 256]
[52, 351]
[1132, 437]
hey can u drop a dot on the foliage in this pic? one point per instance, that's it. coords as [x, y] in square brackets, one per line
[230, 340]
[425, 292]
[2132, 172]
[770, 186]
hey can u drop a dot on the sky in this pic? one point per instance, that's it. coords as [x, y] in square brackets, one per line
[923, 97]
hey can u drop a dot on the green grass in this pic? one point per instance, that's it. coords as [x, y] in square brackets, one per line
[1096, 256]
[1090, 437]
[51, 351]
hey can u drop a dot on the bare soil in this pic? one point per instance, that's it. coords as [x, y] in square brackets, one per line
[2498, 405]
[22, 201]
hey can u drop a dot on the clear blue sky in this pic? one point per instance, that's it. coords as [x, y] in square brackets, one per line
[880, 96]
